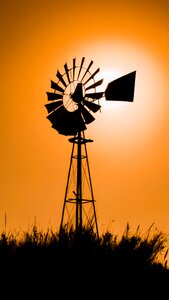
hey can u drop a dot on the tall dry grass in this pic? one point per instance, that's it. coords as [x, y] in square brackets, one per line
[50, 262]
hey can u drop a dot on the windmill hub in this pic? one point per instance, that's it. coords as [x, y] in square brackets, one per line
[72, 104]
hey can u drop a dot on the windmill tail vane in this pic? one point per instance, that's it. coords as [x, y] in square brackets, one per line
[72, 104]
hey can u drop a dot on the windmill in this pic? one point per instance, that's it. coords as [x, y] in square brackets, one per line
[73, 102]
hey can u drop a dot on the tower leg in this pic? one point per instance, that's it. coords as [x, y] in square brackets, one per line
[67, 188]
[91, 189]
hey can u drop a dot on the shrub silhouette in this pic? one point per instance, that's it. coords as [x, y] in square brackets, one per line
[74, 264]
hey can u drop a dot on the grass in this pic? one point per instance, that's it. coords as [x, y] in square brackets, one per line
[39, 262]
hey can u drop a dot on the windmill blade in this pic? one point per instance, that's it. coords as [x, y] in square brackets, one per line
[53, 96]
[81, 65]
[67, 72]
[92, 106]
[94, 85]
[55, 86]
[68, 123]
[87, 70]
[52, 106]
[87, 115]
[56, 114]
[74, 67]
[92, 76]
[94, 95]
[63, 129]
[60, 77]
[63, 124]
[121, 89]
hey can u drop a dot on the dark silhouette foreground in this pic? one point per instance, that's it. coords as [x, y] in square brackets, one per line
[71, 265]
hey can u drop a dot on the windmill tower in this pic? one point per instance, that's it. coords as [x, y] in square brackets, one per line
[72, 104]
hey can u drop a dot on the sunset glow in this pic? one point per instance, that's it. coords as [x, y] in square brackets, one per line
[129, 158]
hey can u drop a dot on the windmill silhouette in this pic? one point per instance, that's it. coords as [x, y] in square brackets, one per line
[72, 104]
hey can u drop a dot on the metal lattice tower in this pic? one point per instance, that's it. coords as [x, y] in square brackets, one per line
[79, 204]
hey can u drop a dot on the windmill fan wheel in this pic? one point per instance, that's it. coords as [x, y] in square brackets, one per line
[72, 102]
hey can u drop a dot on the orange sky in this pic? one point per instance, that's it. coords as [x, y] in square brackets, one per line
[129, 158]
